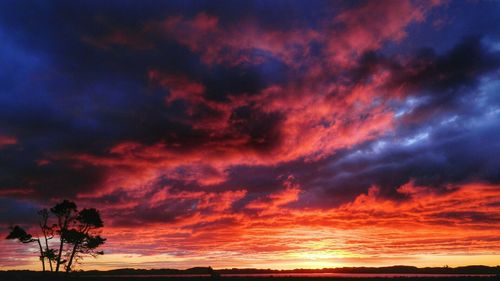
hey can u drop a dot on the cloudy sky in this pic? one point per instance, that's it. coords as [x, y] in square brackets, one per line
[277, 134]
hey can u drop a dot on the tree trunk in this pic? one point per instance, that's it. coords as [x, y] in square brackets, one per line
[47, 250]
[68, 267]
[63, 229]
[42, 258]
[44, 230]
[59, 254]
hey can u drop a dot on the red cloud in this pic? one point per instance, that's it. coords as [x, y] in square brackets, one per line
[368, 26]
[364, 227]
[232, 45]
[276, 201]
[313, 115]
[178, 184]
[7, 140]
[349, 34]
[180, 87]
[370, 224]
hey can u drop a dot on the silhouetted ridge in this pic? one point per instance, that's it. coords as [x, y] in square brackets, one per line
[472, 269]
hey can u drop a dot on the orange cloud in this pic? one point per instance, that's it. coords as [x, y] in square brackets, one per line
[426, 225]
[463, 221]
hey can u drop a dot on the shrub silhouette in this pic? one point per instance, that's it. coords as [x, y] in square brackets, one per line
[77, 232]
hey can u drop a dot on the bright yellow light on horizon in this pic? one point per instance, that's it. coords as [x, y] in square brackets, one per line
[307, 260]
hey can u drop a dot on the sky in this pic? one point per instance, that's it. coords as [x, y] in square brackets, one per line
[268, 134]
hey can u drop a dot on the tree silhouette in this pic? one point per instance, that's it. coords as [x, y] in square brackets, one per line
[65, 214]
[17, 232]
[78, 233]
[82, 237]
[47, 234]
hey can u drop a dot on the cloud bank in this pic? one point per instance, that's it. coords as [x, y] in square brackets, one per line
[247, 134]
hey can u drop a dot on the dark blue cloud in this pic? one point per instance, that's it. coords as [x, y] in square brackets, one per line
[59, 94]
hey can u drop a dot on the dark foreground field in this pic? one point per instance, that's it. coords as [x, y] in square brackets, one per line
[28, 276]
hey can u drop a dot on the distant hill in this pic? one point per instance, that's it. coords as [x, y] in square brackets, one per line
[472, 269]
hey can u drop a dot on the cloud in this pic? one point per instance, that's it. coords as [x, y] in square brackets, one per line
[420, 225]
[315, 130]
[7, 140]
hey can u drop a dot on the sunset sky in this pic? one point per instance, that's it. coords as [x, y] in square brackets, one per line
[268, 134]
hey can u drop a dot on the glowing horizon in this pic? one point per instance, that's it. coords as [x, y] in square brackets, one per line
[306, 134]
